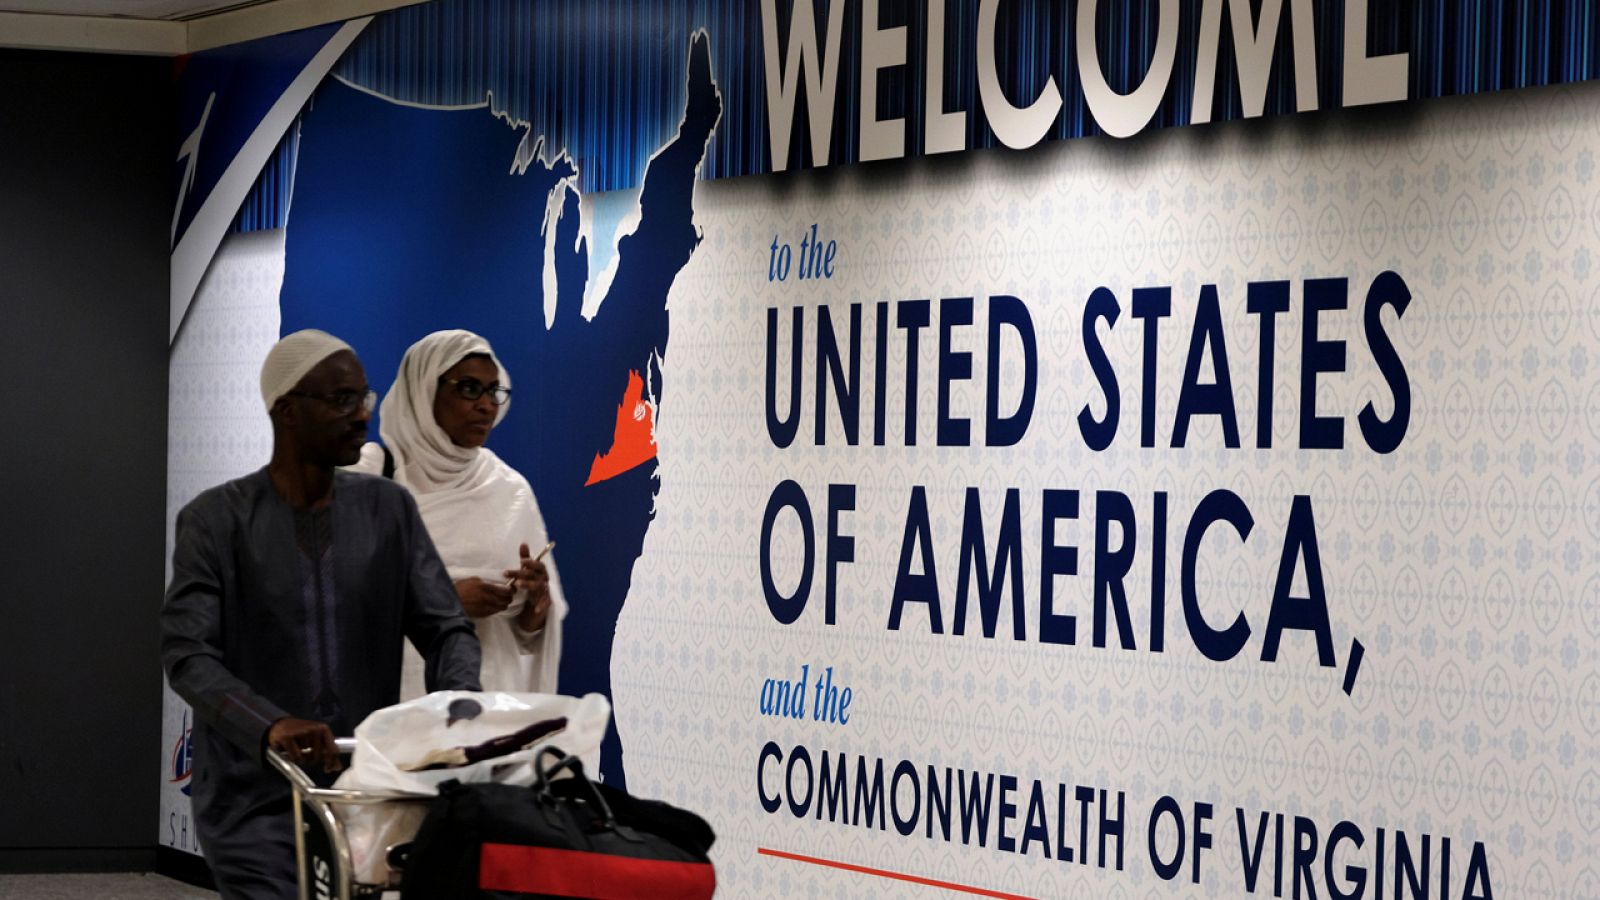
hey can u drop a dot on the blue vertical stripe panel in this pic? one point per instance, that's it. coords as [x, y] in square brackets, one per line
[267, 205]
[604, 82]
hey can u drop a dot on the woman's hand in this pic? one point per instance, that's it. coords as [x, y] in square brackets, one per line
[482, 599]
[534, 578]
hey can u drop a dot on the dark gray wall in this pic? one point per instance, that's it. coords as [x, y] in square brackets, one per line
[85, 174]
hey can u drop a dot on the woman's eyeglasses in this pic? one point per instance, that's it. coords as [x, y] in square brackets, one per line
[472, 389]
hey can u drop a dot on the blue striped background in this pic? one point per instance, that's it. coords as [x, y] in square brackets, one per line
[267, 206]
[604, 81]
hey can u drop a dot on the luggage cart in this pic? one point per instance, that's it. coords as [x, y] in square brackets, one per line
[321, 847]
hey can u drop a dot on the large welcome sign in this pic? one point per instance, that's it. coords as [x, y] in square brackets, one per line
[1211, 513]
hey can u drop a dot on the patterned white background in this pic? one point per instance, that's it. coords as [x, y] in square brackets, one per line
[216, 429]
[1467, 562]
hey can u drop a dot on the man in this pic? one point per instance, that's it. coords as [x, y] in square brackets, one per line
[292, 588]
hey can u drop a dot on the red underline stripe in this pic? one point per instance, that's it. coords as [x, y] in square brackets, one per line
[885, 873]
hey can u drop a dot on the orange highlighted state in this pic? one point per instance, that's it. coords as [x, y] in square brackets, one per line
[633, 443]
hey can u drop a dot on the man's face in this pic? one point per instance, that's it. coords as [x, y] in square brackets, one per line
[327, 414]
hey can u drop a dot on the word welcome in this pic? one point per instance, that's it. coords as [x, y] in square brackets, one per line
[805, 64]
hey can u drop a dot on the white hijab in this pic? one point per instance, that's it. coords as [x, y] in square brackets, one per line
[478, 511]
[425, 459]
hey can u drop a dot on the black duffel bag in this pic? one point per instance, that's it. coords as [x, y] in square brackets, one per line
[566, 837]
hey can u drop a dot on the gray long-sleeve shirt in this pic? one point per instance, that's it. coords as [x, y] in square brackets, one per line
[275, 612]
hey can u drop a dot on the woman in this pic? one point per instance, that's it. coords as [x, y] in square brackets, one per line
[449, 394]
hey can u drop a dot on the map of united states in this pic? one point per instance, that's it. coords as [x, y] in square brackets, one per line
[407, 219]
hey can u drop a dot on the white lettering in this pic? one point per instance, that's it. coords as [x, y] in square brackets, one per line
[880, 49]
[1124, 115]
[947, 131]
[1016, 127]
[1369, 79]
[324, 874]
[822, 77]
[1254, 50]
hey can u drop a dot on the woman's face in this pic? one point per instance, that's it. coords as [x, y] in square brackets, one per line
[467, 422]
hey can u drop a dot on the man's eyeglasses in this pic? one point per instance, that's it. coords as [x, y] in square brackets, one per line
[344, 402]
[472, 389]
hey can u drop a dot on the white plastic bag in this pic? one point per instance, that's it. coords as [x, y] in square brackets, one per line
[398, 736]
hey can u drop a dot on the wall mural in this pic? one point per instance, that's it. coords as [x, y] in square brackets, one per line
[947, 503]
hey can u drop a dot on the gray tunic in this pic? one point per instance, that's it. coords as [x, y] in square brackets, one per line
[275, 612]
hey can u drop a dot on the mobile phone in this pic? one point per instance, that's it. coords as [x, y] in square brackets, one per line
[547, 548]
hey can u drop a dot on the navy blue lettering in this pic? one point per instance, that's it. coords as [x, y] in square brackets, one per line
[847, 389]
[1085, 797]
[1356, 875]
[797, 756]
[1388, 289]
[1202, 837]
[841, 547]
[1215, 399]
[1098, 434]
[1008, 811]
[782, 431]
[1034, 828]
[769, 749]
[907, 824]
[952, 431]
[1251, 857]
[1478, 886]
[939, 803]
[975, 807]
[1008, 556]
[1166, 808]
[1158, 575]
[787, 494]
[1266, 299]
[1111, 826]
[1318, 356]
[923, 588]
[1406, 865]
[1056, 628]
[1300, 613]
[1111, 567]
[1305, 855]
[1218, 506]
[1063, 852]
[912, 317]
[831, 791]
[869, 794]
[880, 375]
[1152, 305]
[1006, 431]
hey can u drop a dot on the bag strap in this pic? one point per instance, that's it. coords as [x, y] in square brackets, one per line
[543, 774]
[388, 464]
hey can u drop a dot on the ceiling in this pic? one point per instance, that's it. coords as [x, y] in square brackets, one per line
[166, 27]
[135, 9]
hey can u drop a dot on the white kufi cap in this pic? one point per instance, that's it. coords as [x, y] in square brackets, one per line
[291, 358]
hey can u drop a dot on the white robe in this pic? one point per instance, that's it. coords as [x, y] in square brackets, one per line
[477, 528]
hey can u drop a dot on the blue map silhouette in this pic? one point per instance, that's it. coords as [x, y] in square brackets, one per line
[408, 220]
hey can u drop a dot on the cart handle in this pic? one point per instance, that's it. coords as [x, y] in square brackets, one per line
[304, 786]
